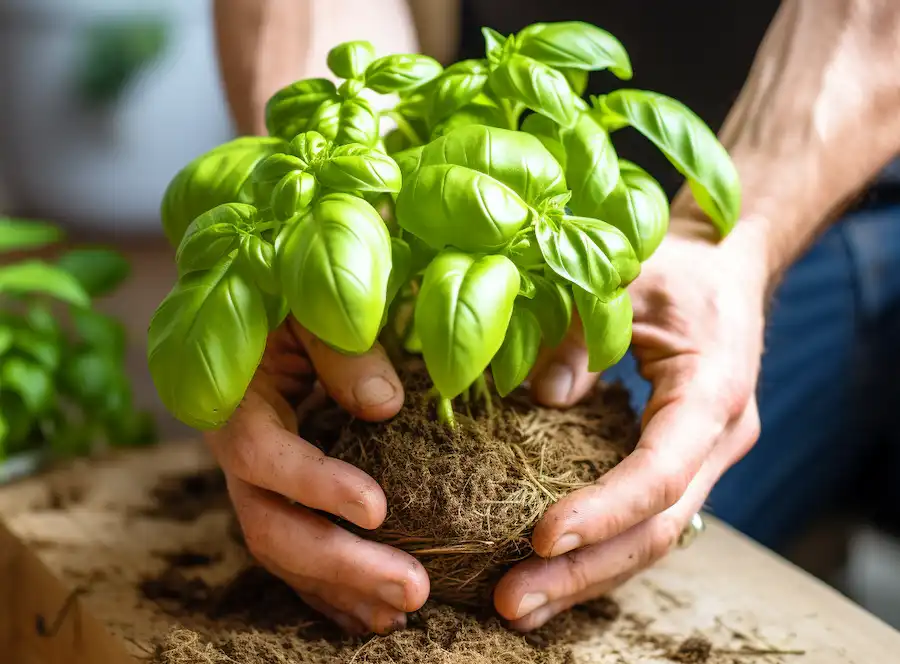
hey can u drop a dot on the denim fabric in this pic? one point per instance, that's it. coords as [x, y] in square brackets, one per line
[828, 384]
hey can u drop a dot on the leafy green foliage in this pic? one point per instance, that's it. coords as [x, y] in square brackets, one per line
[62, 383]
[463, 220]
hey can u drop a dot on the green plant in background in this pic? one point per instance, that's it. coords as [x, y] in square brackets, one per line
[465, 223]
[62, 381]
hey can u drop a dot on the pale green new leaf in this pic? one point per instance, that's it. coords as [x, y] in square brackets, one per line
[539, 87]
[214, 235]
[289, 110]
[399, 73]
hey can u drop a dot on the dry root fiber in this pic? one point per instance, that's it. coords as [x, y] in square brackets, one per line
[465, 501]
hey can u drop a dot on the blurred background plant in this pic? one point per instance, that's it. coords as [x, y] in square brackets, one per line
[63, 387]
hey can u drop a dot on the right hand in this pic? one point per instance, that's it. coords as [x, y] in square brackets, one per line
[363, 586]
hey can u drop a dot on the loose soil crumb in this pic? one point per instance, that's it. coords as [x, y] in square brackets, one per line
[693, 650]
[465, 502]
[185, 498]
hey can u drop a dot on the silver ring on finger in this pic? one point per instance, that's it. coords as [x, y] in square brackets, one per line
[691, 531]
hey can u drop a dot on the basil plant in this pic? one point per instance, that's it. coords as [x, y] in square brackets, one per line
[466, 223]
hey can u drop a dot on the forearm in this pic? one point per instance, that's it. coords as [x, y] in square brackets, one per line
[261, 46]
[818, 117]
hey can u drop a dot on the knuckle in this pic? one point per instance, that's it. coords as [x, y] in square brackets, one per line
[242, 459]
[258, 537]
[579, 571]
[665, 536]
[672, 478]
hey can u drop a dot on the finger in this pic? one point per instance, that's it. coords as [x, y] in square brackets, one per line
[539, 617]
[561, 378]
[256, 448]
[534, 585]
[307, 546]
[675, 442]
[364, 385]
[349, 623]
[374, 615]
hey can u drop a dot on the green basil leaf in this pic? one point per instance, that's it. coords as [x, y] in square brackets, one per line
[459, 84]
[132, 429]
[526, 285]
[44, 349]
[334, 267]
[688, 143]
[326, 120]
[447, 204]
[205, 343]
[350, 59]
[277, 309]
[94, 378]
[577, 78]
[462, 313]
[40, 319]
[408, 160]
[592, 166]
[516, 357]
[293, 194]
[413, 342]
[358, 123]
[493, 43]
[421, 254]
[575, 45]
[589, 253]
[401, 265]
[549, 134]
[39, 277]
[639, 207]
[607, 327]
[514, 158]
[25, 234]
[103, 333]
[18, 424]
[6, 339]
[551, 305]
[288, 111]
[309, 147]
[398, 73]
[212, 179]
[31, 381]
[270, 172]
[352, 168]
[490, 115]
[524, 250]
[214, 235]
[99, 271]
[258, 258]
[539, 87]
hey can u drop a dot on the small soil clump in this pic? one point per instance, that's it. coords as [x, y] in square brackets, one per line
[465, 501]
[693, 650]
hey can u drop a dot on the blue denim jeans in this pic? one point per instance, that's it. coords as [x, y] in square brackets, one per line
[829, 387]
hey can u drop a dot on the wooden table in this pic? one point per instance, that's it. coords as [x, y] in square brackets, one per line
[724, 586]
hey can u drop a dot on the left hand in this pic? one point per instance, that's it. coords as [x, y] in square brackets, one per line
[698, 329]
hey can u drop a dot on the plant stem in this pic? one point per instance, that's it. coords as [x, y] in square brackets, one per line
[445, 413]
[512, 112]
[482, 392]
[405, 128]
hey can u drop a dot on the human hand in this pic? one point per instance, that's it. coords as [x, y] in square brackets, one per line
[363, 586]
[698, 329]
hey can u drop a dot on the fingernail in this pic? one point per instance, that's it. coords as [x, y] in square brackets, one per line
[391, 625]
[373, 391]
[556, 383]
[529, 603]
[566, 543]
[394, 594]
[355, 511]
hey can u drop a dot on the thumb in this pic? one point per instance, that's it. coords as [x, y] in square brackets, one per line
[560, 377]
[365, 385]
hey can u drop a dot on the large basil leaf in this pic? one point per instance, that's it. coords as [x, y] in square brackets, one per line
[99, 271]
[401, 266]
[536, 85]
[451, 205]
[638, 207]
[548, 133]
[398, 73]
[515, 158]
[607, 327]
[30, 380]
[213, 235]
[592, 166]
[575, 45]
[459, 84]
[334, 266]
[688, 143]
[513, 362]
[577, 78]
[552, 307]
[25, 234]
[277, 309]
[289, 110]
[205, 343]
[269, 172]
[258, 257]
[408, 160]
[356, 168]
[358, 123]
[350, 59]
[39, 277]
[462, 313]
[589, 253]
[212, 179]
